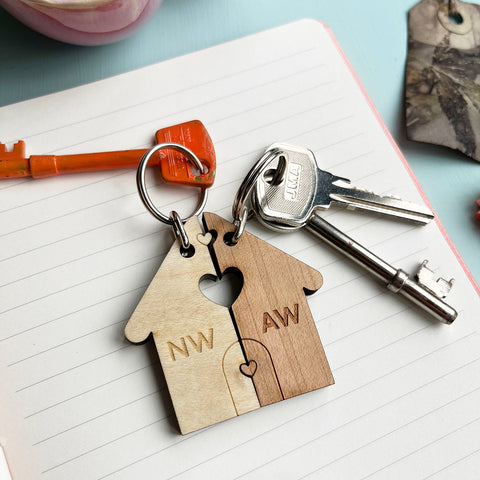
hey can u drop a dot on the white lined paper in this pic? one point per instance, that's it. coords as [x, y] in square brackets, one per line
[78, 251]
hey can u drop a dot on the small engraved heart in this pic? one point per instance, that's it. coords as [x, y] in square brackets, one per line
[249, 368]
[204, 239]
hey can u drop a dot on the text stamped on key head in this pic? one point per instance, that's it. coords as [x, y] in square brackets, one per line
[295, 189]
[292, 184]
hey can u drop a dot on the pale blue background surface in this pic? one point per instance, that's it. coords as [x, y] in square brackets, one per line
[373, 34]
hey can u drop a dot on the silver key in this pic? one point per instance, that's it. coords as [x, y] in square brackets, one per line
[295, 182]
[290, 211]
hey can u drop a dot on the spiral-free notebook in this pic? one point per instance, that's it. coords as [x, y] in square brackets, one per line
[77, 251]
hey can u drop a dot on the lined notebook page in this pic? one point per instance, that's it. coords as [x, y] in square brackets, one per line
[77, 252]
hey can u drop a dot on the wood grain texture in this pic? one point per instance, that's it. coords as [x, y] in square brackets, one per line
[272, 310]
[261, 369]
[263, 373]
[191, 335]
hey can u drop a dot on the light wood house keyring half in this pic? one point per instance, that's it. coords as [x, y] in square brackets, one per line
[191, 335]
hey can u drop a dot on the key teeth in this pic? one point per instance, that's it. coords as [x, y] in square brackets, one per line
[18, 150]
[439, 287]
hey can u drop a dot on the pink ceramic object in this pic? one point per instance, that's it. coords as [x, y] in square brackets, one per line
[83, 22]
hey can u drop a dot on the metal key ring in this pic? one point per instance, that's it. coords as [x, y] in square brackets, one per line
[142, 188]
[240, 210]
[179, 230]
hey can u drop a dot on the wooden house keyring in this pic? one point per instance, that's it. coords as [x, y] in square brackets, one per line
[220, 362]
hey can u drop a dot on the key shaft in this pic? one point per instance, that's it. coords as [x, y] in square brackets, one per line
[396, 280]
[353, 198]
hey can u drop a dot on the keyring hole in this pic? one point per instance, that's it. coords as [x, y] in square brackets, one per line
[455, 18]
[195, 171]
[187, 252]
[270, 176]
[275, 176]
[228, 239]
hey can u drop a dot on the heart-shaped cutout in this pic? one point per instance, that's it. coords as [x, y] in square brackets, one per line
[225, 291]
[249, 368]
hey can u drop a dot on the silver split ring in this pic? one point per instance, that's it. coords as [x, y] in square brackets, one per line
[142, 188]
[240, 211]
[179, 230]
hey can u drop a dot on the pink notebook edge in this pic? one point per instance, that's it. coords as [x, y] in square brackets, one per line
[402, 158]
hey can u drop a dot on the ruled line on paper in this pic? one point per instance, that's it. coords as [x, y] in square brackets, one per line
[74, 312]
[368, 382]
[13, 183]
[371, 325]
[103, 445]
[384, 347]
[103, 275]
[329, 402]
[351, 307]
[296, 93]
[219, 99]
[58, 345]
[83, 209]
[71, 236]
[91, 390]
[461, 427]
[452, 464]
[192, 435]
[451, 402]
[295, 114]
[84, 257]
[355, 157]
[173, 94]
[63, 372]
[101, 415]
[80, 187]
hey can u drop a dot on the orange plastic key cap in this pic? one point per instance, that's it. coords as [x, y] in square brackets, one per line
[175, 167]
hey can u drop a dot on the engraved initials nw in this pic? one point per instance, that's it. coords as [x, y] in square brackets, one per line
[197, 345]
[269, 320]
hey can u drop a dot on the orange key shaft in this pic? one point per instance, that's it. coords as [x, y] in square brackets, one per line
[175, 168]
[15, 164]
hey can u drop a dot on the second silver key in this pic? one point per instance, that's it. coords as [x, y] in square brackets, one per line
[318, 190]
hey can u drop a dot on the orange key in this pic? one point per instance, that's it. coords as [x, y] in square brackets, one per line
[175, 167]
